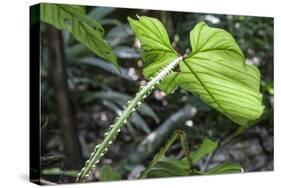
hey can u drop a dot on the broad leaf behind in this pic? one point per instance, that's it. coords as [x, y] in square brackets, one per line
[85, 29]
[206, 147]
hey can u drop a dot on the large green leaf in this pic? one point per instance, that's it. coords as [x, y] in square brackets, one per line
[215, 71]
[206, 147]
[84, 28]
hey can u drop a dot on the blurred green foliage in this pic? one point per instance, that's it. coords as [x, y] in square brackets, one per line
[98, 92]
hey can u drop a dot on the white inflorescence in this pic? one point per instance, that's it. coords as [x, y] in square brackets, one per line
[115, 128]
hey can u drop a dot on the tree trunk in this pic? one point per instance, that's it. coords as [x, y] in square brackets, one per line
[64, 109]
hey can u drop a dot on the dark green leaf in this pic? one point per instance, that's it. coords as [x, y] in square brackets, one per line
[108, 174]
[115, 101]
[126, 52]
[98, 62]
[121, 99]
[224, 168]
[119, 34]
[100, 12]
[58, 171]
[206, 147]
[85, 29]
[169, 167]
[140, 122]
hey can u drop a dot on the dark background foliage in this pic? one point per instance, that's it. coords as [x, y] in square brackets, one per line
[98, 93]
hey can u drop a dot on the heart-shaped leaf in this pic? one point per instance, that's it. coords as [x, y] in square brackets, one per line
[215, 71]
[84, 28]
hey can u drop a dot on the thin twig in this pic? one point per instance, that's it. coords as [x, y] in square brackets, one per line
[185, 147]
[161, 153]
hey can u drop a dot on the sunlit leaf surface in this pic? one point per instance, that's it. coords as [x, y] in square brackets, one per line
[215, 70]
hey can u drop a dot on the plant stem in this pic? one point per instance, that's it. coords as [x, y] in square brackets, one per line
[183, 141]
[122, 119]
[161, 153]
[163, 150]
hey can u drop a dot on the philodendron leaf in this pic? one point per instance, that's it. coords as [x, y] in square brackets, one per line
[84, 28]
[206, 147]
[215, 71]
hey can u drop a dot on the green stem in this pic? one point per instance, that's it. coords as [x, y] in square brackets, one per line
[122, 119]
[197, 172]
[163, 150]
[161, 153]
[183, 141]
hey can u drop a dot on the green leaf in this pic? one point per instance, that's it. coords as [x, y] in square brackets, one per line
[228, 167]
[108, 174]
[140, 122]
[156, 49]
[59, 171]
[216, 72]
[169, 167]
[101, 12]
[121, 99]
[206, 147]
[85, 29]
